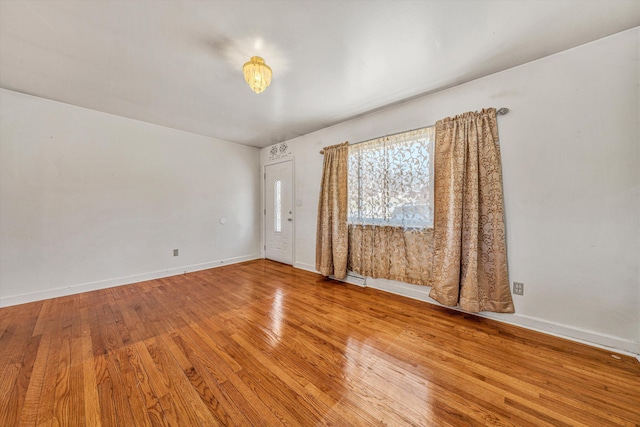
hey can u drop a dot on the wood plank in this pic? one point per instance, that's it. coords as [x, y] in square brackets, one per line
[136, 375]
[186, 399]
[8, 398]
[61, 406]
[89, 390]
[136, 399]
[54, 328]
[105, 392]
[29, 413]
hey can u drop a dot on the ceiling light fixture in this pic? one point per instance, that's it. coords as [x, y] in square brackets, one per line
[257, 74]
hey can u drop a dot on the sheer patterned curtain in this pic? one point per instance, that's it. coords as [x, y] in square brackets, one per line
[331, 234]
[391, 207]
[470, 257]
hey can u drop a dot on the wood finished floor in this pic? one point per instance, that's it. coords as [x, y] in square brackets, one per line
[261, 343]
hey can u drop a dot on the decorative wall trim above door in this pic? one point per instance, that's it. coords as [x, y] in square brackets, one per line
[279, 151]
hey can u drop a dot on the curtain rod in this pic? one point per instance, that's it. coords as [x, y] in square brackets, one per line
[501, 112]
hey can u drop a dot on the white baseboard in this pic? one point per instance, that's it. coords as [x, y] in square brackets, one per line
[307, 267]
[118, 281]
[595, 339]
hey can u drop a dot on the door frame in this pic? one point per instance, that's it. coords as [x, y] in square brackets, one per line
[263, 208]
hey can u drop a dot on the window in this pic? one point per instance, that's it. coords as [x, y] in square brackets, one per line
[391, 180]
[277, 217]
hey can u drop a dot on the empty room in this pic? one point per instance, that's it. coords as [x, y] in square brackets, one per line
[303, 213]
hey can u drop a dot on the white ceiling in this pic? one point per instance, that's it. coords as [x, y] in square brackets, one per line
[178, 63]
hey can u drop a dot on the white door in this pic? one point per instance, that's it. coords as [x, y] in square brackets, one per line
[279, 212]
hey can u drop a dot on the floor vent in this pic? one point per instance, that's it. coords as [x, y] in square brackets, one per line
[356, 279]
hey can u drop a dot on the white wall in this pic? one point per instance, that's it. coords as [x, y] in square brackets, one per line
[90, 200]
[571, 163]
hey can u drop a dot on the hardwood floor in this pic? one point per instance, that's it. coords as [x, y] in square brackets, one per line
[261, 343]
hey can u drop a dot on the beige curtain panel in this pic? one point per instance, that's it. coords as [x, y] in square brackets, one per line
[332, 234]
[470, 257]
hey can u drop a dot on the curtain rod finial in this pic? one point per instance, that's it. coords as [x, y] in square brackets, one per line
[502, 110]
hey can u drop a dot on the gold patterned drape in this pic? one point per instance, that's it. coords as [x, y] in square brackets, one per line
[331, 234]
[470, 257]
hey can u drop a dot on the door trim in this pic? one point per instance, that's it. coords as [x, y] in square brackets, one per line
[263, 208]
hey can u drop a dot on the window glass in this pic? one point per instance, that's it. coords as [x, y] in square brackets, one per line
[390, 180]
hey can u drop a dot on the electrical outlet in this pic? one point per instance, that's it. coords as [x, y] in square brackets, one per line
[175, 252]
[518, 288]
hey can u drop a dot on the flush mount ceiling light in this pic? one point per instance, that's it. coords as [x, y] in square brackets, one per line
[257, 74]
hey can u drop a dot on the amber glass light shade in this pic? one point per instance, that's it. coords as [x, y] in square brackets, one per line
[257, 74]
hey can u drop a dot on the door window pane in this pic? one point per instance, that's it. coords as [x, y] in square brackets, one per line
[278, 207]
